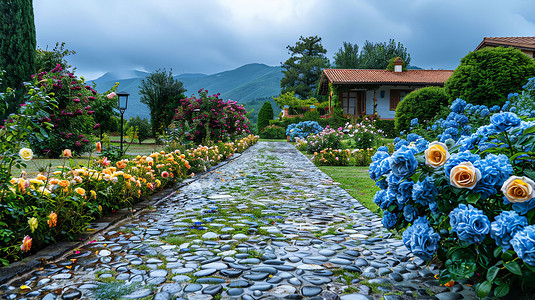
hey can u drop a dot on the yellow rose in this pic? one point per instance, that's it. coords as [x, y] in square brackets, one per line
[26, 154]
[464, 175]
[518, 189]
[80, 191]
[33, 224]
[436, 154]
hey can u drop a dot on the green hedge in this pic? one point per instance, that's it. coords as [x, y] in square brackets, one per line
[388, 127]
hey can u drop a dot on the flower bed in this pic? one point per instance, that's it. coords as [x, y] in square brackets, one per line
[332, 157]
[41, 210]
[467, 204]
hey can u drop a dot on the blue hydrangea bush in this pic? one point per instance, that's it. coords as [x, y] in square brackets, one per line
[303, 129]
[466, 201]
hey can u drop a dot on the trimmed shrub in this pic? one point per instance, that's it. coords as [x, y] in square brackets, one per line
[488, 75]
[264, 116]
[388, 127]
[273, 132]
[423, 104]
[142, 126]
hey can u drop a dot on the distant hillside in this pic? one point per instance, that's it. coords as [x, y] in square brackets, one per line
[247, 84]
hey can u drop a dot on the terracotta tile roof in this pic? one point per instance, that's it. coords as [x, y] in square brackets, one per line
[522, 42]
[364, 77]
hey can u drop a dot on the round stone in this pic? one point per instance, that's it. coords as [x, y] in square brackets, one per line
[104, 252]
[216, 266]
[212, 290]
[158, 273]
[192, 288]
[71, 294]
[240, 236]
[327, 252]
[234, 292]
[310, 291]
[210, 236]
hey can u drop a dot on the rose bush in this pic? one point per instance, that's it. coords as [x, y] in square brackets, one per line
[467, 201]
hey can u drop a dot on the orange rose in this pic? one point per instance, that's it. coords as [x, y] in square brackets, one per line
[80, 191]
[26, 244]
[436, 154]
[67, 153]
[52, 219]
[518, 189]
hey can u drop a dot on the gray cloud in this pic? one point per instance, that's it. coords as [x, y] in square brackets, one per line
[210, 36]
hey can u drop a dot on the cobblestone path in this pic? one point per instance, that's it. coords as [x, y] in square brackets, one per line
[267, 225]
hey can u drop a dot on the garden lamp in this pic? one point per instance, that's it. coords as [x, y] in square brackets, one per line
[122, 103]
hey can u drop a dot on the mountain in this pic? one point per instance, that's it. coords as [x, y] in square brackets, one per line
[247, 84]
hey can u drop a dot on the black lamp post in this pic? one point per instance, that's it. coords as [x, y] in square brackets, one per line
[123, 103]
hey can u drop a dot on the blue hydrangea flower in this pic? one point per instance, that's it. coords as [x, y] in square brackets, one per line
[414, 122]
[461, 119]
[400, 144]
[452, 131]
[470, 224]
[388, 199]
[421, 239]
[495, 108]
[458, 105]
[424, 192]
[505, 121]
[524, 244]
[389, 219]
[484, 112]
[507, 224]
[404, 191]
[379, 168]
[393, 181]
[379, 196]
[380, 155]
[444, 137]
[402, 162]
[382, 184]
[383, 149]
[521, 208]
[421, 145]
[413, 137]
[495, 170]
[410, 213]
[434, 127]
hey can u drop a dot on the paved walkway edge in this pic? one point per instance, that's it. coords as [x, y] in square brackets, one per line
[58, 251]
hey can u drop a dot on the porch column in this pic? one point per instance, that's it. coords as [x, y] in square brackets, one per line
[374, 104]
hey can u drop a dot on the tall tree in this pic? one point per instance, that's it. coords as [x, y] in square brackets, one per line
[17, 46]
[347, 57]
[303, 69]
[162, 94]
[377, 55]
[47, 60]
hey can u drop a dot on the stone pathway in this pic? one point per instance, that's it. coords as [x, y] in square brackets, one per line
[268, 225]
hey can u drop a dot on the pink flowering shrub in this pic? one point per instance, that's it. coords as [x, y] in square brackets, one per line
[332, 157]
[72, 117]
[327, 138]
[209, 119]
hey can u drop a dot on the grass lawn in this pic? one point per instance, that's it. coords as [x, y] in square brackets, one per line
[357, 182]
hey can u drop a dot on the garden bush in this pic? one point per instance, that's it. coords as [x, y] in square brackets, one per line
[327, 138]
[365, 134]
[332, 157]
[388, 127]
[423, 104]
[302, 129]
[487, 76]
[264, 116]
[209, 119]
[273, 132]
[72, 116]
[467, 203]
[142, 128]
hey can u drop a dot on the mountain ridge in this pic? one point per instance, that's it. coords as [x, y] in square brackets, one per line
[245, 84]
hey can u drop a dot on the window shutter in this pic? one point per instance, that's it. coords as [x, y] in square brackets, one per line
[394, 99]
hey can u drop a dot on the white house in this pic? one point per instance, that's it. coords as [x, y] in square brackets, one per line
[367, 91]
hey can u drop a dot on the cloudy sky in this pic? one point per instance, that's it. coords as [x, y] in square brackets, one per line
[210, 36]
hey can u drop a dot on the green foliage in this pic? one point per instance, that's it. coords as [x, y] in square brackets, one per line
[162, 94]
[303, 69]
[106, 111]
[377, 55]
[388, 127]
[347, 57]
[142, 126]
[295, 104]
[423, 104]
[264, 115]
[273, 132]
[47, 60]
[17, 48]
[487, 76]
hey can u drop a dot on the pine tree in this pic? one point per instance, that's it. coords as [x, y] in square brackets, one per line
[17, 46]
[304, 67]
[264, 115]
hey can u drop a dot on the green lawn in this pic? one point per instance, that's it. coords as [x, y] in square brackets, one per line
[357, 182]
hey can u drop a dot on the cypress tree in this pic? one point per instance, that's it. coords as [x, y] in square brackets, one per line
[264, 115]
[17, 46]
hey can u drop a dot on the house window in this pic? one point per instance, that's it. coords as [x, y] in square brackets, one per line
[396, 96]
